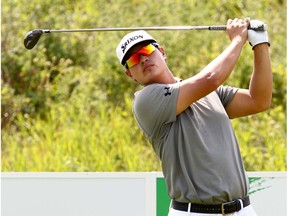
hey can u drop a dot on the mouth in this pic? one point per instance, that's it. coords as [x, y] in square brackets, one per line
[146, 67]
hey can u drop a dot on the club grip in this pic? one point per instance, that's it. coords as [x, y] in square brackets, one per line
[217, 28]
[223, 27]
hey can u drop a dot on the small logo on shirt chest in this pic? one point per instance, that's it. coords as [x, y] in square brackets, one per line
[168, 91]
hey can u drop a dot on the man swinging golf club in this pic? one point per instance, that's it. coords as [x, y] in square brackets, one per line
[187, 121]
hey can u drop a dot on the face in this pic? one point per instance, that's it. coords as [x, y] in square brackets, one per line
[150, 68]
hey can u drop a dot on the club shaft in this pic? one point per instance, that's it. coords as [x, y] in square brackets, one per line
[141, 28]
[153, 28]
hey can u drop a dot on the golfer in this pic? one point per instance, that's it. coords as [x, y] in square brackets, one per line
[187, 121]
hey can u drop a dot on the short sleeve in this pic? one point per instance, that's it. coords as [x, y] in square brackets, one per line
[226, 94]
[154, 107]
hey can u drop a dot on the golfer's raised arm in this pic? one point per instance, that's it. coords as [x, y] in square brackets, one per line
[215, 73]
[258, 97]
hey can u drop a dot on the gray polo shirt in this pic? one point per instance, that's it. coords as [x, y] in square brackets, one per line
[200, 157]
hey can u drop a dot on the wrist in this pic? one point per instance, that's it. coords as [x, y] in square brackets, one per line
[265, 45]
[238, 42]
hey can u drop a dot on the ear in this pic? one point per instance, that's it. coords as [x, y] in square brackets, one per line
[128, 73]
[161, 49]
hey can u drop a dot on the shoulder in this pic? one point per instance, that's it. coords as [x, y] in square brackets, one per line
[155, 99]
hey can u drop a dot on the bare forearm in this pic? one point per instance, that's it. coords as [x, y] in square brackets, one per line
[215, 73]
[221, 67]
[210, 78]
[261, 81]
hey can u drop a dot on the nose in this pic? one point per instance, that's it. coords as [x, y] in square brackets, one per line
[143, 58]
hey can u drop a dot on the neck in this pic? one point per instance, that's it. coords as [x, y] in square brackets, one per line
[168, 78]
[165, 78]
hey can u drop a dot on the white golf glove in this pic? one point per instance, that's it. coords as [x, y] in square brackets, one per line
[257, 37]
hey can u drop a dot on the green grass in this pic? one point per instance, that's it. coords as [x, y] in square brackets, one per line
[69, 140]
[262, 141]
[72, 141]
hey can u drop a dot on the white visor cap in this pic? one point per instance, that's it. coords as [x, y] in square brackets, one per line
[129, 40]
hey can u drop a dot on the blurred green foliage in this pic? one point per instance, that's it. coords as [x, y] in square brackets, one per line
[66, 104]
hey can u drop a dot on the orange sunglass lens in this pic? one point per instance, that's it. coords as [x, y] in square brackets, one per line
[134, 59]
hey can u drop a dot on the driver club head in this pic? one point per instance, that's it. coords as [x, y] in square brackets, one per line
[32, 37]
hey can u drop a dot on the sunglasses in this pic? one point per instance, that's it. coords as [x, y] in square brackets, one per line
[135, 58]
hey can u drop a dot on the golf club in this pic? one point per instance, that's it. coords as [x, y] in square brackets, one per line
[32, 37]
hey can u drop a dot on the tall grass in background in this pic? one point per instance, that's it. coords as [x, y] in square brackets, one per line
[66, 104]
[69, 140]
